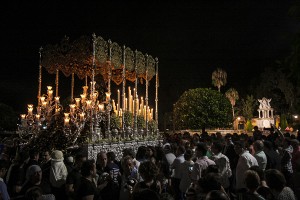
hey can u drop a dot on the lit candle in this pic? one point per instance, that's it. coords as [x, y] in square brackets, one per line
[114, 105]
[66, 121]
[101, 107]
[37, 117]
[88, 104]
[81, 115]
[118, 100]
[107, 96]
[85, 88]
[72, 108]
[77, 100]
[56, 99]
[50, 94]
[30, 109]
[42, 99]
[137, 104]
[23, 116]
[83, 96]
[44, 104]
[125, 103]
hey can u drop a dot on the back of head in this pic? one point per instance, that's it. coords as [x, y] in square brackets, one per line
[86, 167]
[202, 147]
[111, 156]
[258, 145]
[216, 195]
[252, 180]
[188, 154]
[275, 179]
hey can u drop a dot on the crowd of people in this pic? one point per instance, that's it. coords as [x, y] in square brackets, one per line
[185, 167]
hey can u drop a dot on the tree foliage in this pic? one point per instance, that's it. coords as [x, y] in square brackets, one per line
[275, 83]
[202, 108]
[247, 106]
[219, 78]
[233, 96]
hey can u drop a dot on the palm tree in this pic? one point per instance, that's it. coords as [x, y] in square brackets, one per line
[233, 96]
[219, 78]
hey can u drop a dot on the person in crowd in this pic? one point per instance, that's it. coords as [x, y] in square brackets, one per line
[185, 170]
[257, 134]
[58, 174]
[294, 182]
[201, 163]
[33, 159]
[246, 160]
[46, 165]
[73, 178]
[4, 165]
[176, 167]
[252, 182]
[295, 153]
[217, 195]
[277, 183]
[87, 189]
[130, 152]
[209, 182]
[148, 171]
[36, 193]
[151, 153]
[165, 172]
[170, 156]
[14, 174]
[101, 162]
[141, 154]
[263, 188]
[286, 159]
[223, 164]
[34, 179]
[69, 162]
[273, 158]
[259, 154]
[130, 177]
[111, 191]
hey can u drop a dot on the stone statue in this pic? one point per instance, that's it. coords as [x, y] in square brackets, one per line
[264, 103]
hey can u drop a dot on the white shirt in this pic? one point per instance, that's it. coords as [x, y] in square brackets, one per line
[176, 165]
[224, 166]
[261, 159]
[201, 164]
[185, 175]
[246, 160]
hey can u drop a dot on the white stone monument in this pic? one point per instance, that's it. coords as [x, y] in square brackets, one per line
[265, 114]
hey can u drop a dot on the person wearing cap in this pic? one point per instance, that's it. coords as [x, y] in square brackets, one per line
[58, 174]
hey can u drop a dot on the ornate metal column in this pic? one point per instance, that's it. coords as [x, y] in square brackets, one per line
[40, 77]
[109, 107]
[123, 91]
[56, 82]
[92, 120]
[146, 96]
[156, 93]
[72, 88]
[135, 131]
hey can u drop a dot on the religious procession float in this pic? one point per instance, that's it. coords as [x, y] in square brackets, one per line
[94, 119]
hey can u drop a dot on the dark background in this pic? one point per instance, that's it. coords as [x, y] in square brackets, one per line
[190, 39]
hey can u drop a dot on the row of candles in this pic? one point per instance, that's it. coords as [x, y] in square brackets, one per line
[131, 104]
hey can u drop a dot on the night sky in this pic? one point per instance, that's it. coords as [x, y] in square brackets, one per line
[190, 40]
